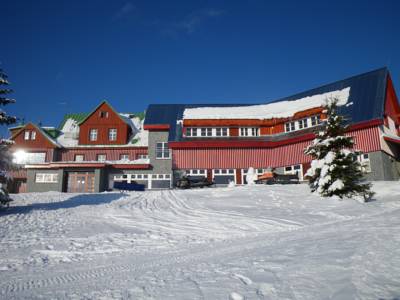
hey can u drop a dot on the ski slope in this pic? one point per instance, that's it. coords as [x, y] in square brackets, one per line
[258, 242]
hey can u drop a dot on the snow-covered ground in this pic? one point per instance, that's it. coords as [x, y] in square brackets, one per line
[258, 242]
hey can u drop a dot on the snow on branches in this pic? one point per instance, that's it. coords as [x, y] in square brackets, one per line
[5, 154]
[335, 170]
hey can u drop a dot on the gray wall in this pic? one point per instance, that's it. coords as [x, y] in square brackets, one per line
[100, 180]
[383, 167]
[160, 166]
[32, 186]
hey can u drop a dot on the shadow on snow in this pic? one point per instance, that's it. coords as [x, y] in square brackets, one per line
[75, 201]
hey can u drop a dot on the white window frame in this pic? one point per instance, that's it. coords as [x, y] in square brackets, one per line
[249, 131]
[103, 114]
[33, 135]
[101, 157]
[46, 178]
[112, 134]
[27, 135]
[365, 162]
[163, 150]
[93, 133]
[202, 132]
[80, 156]
[142, 156]
[293, 171]
[197, 172]
[124, 156]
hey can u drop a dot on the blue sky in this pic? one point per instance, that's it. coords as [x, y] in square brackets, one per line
[66, 56]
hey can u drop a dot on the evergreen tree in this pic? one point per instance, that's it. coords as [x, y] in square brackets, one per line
[5, 155]
[335, 169]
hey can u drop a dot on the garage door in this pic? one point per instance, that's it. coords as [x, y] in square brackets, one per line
[80, 182]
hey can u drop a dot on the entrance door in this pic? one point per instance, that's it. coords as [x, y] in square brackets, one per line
[80, 182]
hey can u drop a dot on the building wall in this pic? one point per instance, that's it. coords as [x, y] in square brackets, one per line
[160, 166]
[383, 167]
[94, 121]
[34, 187]
[91, 153]
[366, 140]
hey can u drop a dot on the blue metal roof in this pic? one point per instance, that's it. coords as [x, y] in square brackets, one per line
[367, 93]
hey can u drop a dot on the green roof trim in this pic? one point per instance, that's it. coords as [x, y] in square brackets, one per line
[53, 132]
[78, 117]
[140, 115]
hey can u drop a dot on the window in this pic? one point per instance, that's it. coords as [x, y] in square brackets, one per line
[189, 131]
[142, 156]
[249, 131]
[315, 120]
[209, 131]
[221, 131]
[112, 134]
[79, 157]
[365, 162]
[104, 114]
[303, 123]
[101, 157]
[124, 156]
[93, 135]
[27, 135]
[23, 158]
[33, 135]
[295, 169]
[46, 177]
[290, 126]
[162, 150]
[194, 131]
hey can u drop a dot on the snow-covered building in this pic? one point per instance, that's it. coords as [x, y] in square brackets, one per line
[87, 152]
[223, 141]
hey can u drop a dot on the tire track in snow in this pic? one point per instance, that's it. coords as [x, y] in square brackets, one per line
[190, 255]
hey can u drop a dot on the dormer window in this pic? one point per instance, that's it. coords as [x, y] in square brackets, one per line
[33, 135]
[104, 114]
[249, 131]
[93, 135]
[303, 124]
[290, 126]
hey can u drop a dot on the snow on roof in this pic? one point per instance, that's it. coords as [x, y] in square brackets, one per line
[282, 109]
[139, 136]
[69, 133]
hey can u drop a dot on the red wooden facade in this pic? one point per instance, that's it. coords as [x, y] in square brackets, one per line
[366, 140]
[102, 119]
[39, 142]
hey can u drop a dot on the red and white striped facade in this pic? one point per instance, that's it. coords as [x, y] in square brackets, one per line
[263, 155]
